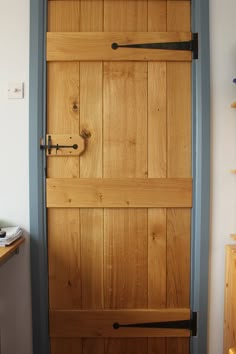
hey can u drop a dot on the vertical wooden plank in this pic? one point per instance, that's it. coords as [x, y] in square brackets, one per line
[64, 259]
[91, 80]
[66, 345]
[125, 259]
[157, 167]
[157, 120]
[125, 120]
[125, 155]
[178, 345]
[178, 251]
[58, 22]
[179, 165]
[63, 85]
[156, 258]
[157, 16]
[63, 112]
[91, 15]
[91, 165]
[64, 244]
[126, 346]
[93, 346]
[123, 15]
[157, 346]
[179, 119]
[92, 258]
[179, 18]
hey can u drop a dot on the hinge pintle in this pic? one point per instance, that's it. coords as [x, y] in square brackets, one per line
[193, 324]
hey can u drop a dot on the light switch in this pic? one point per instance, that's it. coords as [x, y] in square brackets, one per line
[16, 90]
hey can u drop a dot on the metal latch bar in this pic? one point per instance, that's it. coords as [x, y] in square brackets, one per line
[50, 146]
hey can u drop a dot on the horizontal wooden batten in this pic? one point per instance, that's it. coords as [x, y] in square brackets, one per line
[99, 323]
[119, 193]
[96, 46]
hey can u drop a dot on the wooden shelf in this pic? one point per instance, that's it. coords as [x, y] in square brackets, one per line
[8, 251]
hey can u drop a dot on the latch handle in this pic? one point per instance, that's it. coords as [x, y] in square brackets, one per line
[50, 146]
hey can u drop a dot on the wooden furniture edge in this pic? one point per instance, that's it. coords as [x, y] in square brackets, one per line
[8, 251]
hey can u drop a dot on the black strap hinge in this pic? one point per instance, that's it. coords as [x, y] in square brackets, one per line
[190, 324]
[184, 45]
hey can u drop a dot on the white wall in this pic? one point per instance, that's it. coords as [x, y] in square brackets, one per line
[223, 145]
[15, 315]
[15, 300]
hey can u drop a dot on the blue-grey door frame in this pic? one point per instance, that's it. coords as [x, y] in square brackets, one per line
[201, 174]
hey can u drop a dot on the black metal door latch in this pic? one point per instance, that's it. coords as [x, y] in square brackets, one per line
[50, 146]
[184, 45]
[190, 324]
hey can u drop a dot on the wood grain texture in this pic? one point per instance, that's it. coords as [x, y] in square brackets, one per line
[93, 345]
[91, 166]
[179, 119]
[63, 226]
[125, 15]
[64, 167]
[129, 114]
[157, 16]
[178, 18]
[178, 269]
[156, 346]
[92, 258]
[157, 258]
[64, 259]
[91, 15]
[157, 120]
[229, 302]
[63, 82]
[125, 252]
[179, 165]
[125, 135]
[76, 323]
[177, 345]
[126, 346]
[63, 112]
[91, 118]
[157, 167]
[58, 22]
[66, 345]
[119, 193]
[96, 46]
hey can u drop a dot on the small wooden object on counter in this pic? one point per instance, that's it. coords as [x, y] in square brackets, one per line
[232, 351]
[8, 251]
[233, 105]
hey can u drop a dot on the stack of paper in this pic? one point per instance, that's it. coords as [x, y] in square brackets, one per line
[12, 234]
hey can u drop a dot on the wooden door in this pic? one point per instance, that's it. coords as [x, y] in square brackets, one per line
[118, 214]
